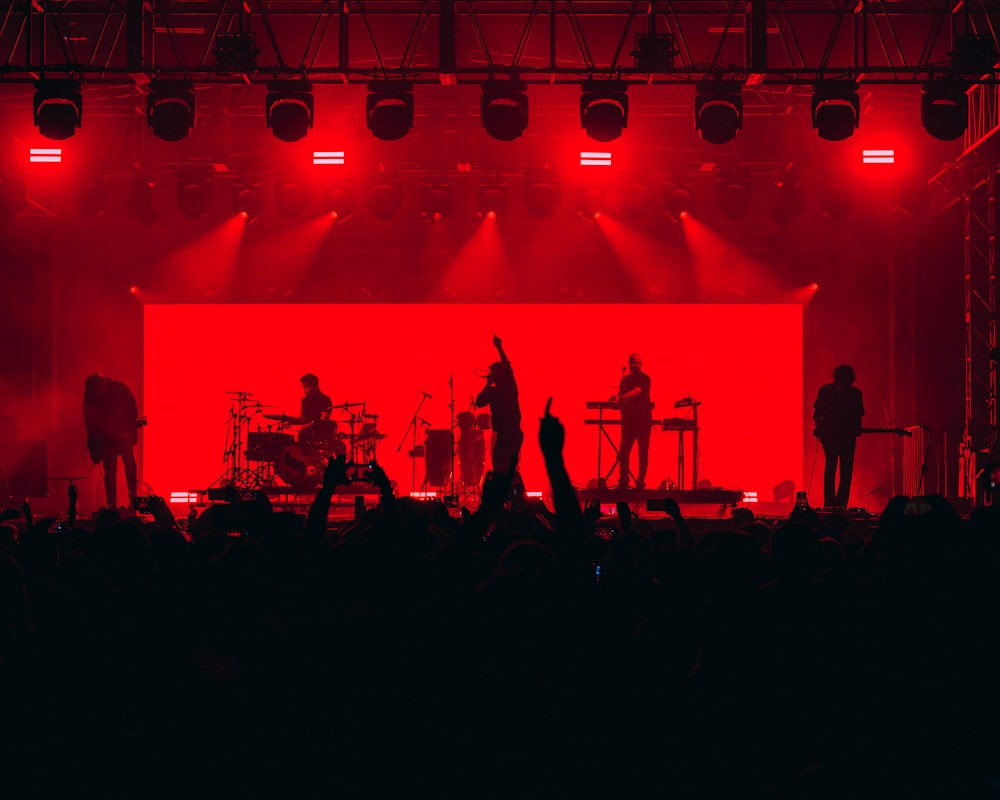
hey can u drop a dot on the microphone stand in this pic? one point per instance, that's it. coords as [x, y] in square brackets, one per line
[413, 457]
[927, 450]
[452, 499]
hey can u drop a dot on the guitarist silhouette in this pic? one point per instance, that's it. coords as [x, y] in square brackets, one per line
[111, 417]
[837, 413]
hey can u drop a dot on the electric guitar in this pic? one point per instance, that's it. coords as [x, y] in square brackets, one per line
[897, 431]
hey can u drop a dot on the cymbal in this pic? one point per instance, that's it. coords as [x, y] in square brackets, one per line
[290, 420]
[241, 394]
[347, 405]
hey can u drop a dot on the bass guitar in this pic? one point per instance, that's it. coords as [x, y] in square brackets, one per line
[101, 445]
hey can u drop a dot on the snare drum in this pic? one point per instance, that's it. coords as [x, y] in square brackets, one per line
[301, 467]
[322, 434]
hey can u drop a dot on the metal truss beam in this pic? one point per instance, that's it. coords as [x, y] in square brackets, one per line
[540, 41]
[980, 176]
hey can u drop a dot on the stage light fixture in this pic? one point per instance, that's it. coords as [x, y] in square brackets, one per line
[541, 193]
[194, 191]
[718, 110]
[170, 109]
[836, 109]
[435, 201]
[604, 109]
[503, 109]
[384, 200]
[491, 198]
[291, 198]
[678, 201]
[58, 107]
[944, 108]
[248, 199]
[389, 109]
[289, 109]
[590, 203]
[339, 200]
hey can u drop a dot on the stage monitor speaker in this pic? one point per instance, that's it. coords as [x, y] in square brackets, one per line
[25, 469]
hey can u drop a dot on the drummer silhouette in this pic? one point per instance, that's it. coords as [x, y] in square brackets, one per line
[315, 410]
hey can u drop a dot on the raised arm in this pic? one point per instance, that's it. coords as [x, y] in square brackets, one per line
[498, 344]
[551, 436]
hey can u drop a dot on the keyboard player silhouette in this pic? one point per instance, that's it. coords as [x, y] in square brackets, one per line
[637, 422]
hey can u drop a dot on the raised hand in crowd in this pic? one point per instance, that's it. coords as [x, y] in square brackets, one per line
[73, 491]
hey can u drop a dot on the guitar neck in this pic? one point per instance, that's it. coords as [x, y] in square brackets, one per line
[897, 431]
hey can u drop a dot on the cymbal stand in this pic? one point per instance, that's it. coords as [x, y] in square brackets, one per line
[413, 427]
[352, 419]
[234, 456]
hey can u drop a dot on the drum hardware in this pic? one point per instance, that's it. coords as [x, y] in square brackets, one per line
[237, 457]
[285, 419]
[411, 429]
[266, 445]
[352, 420]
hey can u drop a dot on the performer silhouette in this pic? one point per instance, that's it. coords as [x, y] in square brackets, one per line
[637, 420]
[837, 413]
[111, 417]
[315, 410]
[500, 393]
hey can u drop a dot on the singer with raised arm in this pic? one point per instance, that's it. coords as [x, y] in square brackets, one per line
[637, 421]
[837, 413]
[500, 393]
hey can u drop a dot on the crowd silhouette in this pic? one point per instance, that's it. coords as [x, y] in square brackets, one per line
[517, 651]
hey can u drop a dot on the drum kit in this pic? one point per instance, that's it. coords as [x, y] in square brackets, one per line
[472, 446]
[274, 453]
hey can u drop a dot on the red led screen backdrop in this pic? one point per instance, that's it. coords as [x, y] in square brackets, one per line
[742, 362]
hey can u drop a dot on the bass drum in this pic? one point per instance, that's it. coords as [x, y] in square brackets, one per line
[437, 457]
[301, 467]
